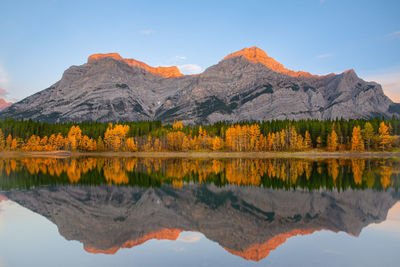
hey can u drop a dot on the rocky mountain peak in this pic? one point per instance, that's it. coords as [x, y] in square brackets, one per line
[163, 234]
[96, 57]
[258, 252]
[350, 72]
[166, 72]
[257, 55]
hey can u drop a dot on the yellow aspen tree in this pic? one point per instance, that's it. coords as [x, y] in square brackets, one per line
[307, 140]
[157, 145]
[52, 142]
[148, 145]
[332, 142]
[116, 144]
[254, 135]
[292, 138]
[177, 125]
[282, 136]
[60, 142]
[43, 142]
[8, 142]
[319, 142]
[185, 144]
[357, 142]
[115, 135]
[270, 141]
[31, 144]
[384, 138]
[300, 142]
[2, 140]
[74, 136]
[263, 143]
[217, 144]
[131, 145]
[275, 141]
[14, 145]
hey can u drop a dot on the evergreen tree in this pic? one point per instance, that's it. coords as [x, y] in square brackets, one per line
[368, 134]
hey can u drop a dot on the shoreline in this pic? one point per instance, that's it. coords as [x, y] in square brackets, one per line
[305, 154]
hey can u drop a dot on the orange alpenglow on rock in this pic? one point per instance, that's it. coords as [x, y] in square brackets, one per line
[166, 72]
[163, 234]
[257, 55]
[258, 252]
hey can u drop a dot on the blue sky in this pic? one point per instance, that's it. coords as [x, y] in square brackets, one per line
[40, 39]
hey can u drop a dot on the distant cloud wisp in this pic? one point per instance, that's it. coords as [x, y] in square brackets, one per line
[189, 237]
[324, 55]
[393, 34]
[190, 68]
[180, 58]
[146, 31]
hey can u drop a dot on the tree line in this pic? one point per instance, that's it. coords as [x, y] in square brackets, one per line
[331, 135]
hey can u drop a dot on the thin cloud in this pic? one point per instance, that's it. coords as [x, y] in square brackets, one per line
[390, 82]
[180, 58]
[321, 1]
[190, 237]
[394, 34]
[190, 69]
[146, 32]
[324, 56]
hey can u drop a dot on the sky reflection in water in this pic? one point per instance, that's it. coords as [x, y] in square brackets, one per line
[201, 212]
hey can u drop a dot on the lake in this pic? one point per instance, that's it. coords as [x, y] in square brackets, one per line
[95, 211]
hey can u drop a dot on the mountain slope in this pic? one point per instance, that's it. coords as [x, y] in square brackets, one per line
[245, 85]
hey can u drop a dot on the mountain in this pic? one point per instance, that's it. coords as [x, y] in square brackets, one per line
[4, 104]
[245, 85]
[246, 221]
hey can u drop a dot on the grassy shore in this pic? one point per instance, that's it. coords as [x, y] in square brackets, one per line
[305, 154]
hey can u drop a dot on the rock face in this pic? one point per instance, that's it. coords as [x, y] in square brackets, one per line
[245, 85]
[246, 221]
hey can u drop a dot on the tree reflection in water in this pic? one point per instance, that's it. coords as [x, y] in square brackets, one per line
[249, 206]
[272, 173]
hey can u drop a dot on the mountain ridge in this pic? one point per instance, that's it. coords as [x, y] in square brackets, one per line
[246, 85]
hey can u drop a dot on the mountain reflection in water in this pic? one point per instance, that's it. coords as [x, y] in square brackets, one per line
[247, 206]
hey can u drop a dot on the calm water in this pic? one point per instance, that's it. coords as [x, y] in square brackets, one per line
[181, 212]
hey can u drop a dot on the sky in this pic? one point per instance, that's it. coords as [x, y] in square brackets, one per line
[39, 40]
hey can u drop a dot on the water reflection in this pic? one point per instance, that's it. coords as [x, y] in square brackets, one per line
[338, 174]
[248, 206]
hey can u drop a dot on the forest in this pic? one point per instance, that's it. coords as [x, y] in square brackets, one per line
[376, 134]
